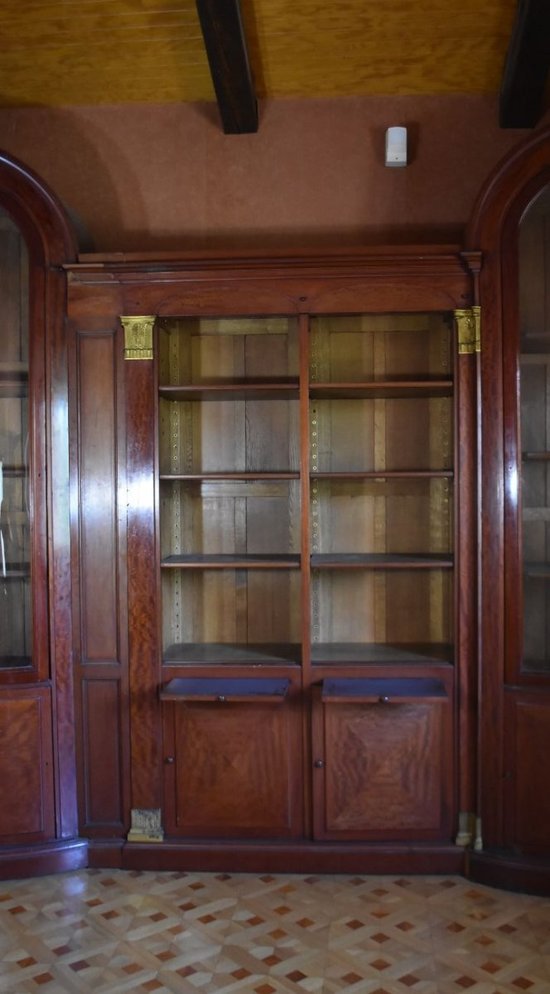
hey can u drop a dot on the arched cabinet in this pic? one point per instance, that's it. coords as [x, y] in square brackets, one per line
[38, 827]
[511, 227]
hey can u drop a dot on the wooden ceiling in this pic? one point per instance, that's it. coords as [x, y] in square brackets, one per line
[61, 52]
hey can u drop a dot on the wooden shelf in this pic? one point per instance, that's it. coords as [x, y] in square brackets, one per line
[538, 570]
[385, 474]
[244, 561]
[357, 560]
[370, 690]
[225, 690]
[230, 475]
[535, 513]
[232, 390]
[385, 389]
[540, 666]
[15, 662]
[537, 357]
[235, 654]
[349, 653]
[19, 571]
[14, 380]
[14, 368]
[14, 471]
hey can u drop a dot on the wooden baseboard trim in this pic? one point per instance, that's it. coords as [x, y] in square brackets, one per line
[43, 858]
[105, 853]
[509, 871]
[296, 858]
[505, 871]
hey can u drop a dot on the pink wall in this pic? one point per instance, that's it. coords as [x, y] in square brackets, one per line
[146, 177]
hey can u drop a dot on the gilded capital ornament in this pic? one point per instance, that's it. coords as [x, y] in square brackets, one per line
[138, 336]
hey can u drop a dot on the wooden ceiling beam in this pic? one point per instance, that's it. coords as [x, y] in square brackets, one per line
[227, 53]
[527, 65]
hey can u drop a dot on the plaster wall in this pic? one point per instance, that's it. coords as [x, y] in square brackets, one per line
[165, 177]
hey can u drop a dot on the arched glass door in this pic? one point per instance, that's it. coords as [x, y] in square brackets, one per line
[534, 436]
[15, 452]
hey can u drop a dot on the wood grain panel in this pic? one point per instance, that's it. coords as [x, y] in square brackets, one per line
[97, 505]
[26, 766]
[102, 761]
[143, 607]
[236, 769]
[385, 770]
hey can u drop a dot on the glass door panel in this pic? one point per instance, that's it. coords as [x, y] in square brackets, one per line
[15, 557]
[534, 436]
[381, 398]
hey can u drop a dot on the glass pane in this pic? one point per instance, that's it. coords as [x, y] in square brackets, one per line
[381, 347]
[229, 459]
[381, 462]
[534, 306]
[15, 585]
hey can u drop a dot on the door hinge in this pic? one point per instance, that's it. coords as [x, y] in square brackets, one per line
[468, 323]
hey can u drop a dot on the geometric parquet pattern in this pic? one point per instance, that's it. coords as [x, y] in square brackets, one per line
[110, 931]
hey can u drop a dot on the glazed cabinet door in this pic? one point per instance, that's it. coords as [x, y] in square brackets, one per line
[527, 536]
[387, 399]
[23, 602]
[230, 542]
[36, 636]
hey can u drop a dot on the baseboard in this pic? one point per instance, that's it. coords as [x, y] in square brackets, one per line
[510, 871]
[44, 858]
[266, 857]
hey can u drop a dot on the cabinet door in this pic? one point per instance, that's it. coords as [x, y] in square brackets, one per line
[232, 767]
[527, 554]
[382, 758]
[26, 769]
[527, 440]
[527, 799]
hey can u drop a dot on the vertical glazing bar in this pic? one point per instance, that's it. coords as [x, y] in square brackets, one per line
[305, 440]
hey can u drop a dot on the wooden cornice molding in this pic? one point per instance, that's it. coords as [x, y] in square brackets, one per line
[227, 53]
[526, 67]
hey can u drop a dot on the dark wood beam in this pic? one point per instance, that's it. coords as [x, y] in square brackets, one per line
[226, 49]
[527, 64]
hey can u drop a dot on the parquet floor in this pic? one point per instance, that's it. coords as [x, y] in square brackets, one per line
[106, 932]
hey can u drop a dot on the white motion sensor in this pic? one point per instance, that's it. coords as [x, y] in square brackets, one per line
[396, 147]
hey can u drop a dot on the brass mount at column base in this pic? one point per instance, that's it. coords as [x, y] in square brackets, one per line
[146, 825]
[466, 829]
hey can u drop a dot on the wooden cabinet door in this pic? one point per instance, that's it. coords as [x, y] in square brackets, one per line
[26, 768]
[527, 798]
[233, 769]
[382, 767]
